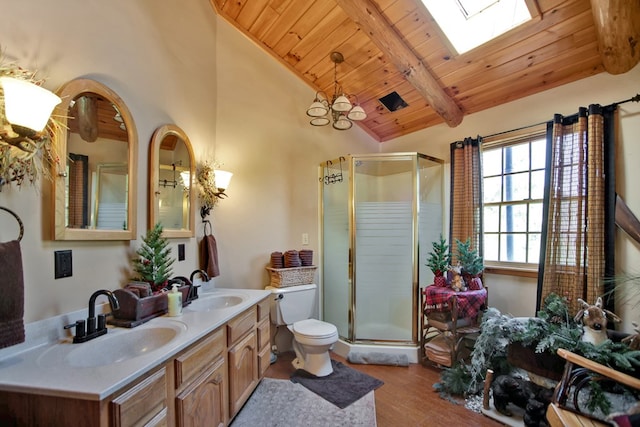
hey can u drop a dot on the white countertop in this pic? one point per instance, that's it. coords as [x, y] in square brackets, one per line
[41, 364]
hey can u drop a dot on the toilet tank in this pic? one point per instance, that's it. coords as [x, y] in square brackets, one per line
[292, 303]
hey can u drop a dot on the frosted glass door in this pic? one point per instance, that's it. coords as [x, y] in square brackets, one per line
[384, 242]
[335, 229]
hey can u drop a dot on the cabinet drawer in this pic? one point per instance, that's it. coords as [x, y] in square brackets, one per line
[240, 325]
[264, 336]
[146, 402]
[209, 350]
[263, 307]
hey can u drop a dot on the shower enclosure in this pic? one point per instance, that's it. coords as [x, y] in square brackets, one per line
[380, 213]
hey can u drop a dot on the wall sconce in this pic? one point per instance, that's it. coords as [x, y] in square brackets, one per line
[212, 184]
[27, 110]
[222, 179]
[26, 105]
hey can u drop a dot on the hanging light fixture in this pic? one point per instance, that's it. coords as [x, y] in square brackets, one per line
[339, 110]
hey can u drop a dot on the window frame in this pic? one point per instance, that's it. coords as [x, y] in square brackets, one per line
[502, 140]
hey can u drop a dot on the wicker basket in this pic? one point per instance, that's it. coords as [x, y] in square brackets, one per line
[283, 277]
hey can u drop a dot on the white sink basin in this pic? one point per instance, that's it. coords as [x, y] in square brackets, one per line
[110, 349]
[116, 346]
[216, 302]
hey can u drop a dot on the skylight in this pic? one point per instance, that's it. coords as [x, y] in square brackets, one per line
[470, 23]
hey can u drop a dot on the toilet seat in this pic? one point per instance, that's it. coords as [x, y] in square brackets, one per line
[313, 328]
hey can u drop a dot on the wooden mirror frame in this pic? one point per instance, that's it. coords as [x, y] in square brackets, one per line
[154, 180]
[68, 92]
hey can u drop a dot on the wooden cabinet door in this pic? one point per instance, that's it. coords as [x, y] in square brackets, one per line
[243, 372]
[205, 401]
[144, 404]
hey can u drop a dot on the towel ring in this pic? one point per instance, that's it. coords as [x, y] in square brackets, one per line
[17, 219]
[206, 222]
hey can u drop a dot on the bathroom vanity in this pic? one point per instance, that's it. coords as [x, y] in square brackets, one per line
[196, 369]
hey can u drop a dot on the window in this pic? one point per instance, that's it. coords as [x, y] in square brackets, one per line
[513, 187]
[469, 23]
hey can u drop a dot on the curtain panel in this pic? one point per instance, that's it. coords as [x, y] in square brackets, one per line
[578, 225]
[466, 193]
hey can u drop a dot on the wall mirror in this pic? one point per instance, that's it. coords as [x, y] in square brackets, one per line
[94, 187]
[171, 179]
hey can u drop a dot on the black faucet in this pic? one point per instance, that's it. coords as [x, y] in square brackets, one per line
[192, 293]
[194, 289]
[93, 330]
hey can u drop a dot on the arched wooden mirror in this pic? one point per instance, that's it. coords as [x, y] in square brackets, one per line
[94, 188]
[171, 182]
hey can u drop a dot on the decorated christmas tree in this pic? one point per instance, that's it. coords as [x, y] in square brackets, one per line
[468, 258]
[440, 258]
[153, 263]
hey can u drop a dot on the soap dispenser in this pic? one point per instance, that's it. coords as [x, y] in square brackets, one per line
[175, 301]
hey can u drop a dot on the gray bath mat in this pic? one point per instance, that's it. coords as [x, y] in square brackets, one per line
[375, 358]
[281, 403]
[342, 387]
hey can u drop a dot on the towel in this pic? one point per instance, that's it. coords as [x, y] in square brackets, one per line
[12, 290]
[209, 256]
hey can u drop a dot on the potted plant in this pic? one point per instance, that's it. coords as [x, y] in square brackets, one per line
[153, 263]
[471, 263]
[438, 261]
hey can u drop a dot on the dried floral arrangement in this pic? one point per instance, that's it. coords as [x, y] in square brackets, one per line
[207, 188]
[25, 158]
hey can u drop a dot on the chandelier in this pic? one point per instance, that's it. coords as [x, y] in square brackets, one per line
[339, 110]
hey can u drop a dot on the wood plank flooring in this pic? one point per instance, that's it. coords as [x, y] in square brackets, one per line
[407, 397]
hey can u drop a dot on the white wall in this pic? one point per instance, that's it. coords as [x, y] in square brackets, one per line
[177, 62]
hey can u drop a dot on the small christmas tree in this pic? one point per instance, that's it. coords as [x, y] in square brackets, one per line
[440, 258]
[471, 264]
[153, 264]
[468, 258]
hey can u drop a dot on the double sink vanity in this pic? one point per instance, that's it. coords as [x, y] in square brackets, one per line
[195, 369]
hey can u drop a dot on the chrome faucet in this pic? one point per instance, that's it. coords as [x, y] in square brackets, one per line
[93, 330]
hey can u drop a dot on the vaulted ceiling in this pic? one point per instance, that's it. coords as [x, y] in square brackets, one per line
[396, 46]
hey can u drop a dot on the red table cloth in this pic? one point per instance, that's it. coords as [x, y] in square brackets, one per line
[469, 302]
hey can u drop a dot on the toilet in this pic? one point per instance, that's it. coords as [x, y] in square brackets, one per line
[312, 339]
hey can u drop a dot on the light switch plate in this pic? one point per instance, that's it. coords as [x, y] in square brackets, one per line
[63, 264]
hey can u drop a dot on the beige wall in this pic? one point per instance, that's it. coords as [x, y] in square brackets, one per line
[517, 295]
[176, 62]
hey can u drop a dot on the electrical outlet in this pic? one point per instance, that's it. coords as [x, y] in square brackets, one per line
[180, 251]
[305, 238]
[63, 264]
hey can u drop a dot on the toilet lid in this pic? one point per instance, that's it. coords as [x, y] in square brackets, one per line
[314, 328]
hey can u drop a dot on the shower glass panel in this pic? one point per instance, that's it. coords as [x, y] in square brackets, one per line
[378, 222]
[383, 248]
[335, 250]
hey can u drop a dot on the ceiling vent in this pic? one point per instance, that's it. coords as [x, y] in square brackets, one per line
[393, 102]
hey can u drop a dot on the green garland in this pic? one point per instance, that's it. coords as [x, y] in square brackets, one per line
[553, 328]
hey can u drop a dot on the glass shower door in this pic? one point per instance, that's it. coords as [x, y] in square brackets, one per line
[335, 249]
[383, 210]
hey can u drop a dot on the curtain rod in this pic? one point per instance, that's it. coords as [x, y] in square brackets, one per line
[635, 98]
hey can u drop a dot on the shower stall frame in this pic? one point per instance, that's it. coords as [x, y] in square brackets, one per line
[349, 342]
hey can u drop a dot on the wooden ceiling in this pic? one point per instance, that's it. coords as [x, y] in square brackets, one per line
[395, 45]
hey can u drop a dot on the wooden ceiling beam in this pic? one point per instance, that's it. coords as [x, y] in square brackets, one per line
[370, 20]
[618, 27]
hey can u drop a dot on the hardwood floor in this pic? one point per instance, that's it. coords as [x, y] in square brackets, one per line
[407, 397]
